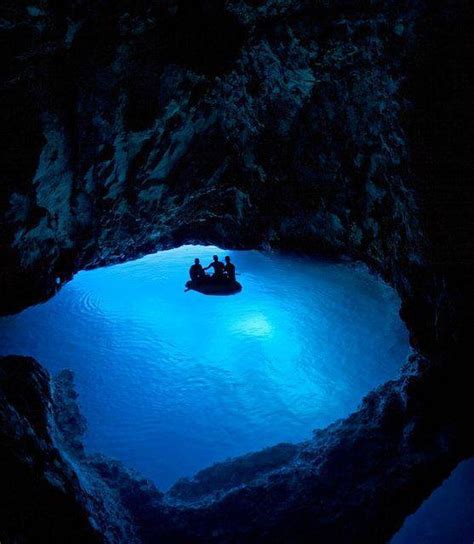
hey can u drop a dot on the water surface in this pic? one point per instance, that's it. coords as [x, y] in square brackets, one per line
[172, 381]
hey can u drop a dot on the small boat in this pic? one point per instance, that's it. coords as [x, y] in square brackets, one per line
[212, 287]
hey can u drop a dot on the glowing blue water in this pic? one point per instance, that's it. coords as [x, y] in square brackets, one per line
[171, 381]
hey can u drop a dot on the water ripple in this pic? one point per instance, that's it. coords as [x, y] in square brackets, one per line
[171, 381]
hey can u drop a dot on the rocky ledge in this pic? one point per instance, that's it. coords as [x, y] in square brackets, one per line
[339, 127]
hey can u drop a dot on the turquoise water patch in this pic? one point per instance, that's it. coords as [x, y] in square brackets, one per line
[171, 382]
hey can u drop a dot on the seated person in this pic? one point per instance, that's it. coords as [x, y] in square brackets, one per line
[229, 269]
[218, 268]
[196, 272]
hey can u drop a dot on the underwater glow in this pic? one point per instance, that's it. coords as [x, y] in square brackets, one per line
[253, 325]
[171, 382]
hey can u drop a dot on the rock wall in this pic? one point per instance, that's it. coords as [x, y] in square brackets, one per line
[42, 499]
[136, 127]
[340, 127]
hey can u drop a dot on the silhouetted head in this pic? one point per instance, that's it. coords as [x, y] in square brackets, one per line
[216, 258]
[196, 261]
[227, 259]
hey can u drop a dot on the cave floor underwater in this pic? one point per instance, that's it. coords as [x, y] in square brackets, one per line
[172, 381]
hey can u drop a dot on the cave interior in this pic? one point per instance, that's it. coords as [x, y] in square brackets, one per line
[339, 129]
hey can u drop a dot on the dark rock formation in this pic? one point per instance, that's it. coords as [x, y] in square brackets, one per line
[140, 136]
[342, 127]
[42, 499]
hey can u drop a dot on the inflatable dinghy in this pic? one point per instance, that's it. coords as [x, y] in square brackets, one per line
[214, 287]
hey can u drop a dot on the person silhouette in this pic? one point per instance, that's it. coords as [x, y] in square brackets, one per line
[217, 266]
[196, 272]
[229, 269]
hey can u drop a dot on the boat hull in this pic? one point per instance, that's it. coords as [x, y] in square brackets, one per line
[210, 287]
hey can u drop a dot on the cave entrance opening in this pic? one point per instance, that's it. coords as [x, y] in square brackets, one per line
[171, 382]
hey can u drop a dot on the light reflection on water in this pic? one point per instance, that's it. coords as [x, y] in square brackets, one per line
[171, 381]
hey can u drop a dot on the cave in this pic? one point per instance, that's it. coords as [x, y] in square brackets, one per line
[339, 133]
